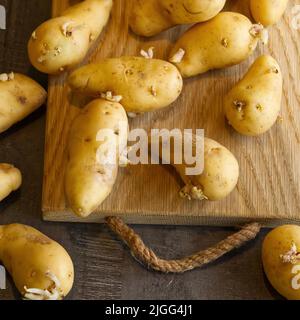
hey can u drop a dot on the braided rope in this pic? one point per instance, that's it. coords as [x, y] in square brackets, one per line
[148, 258]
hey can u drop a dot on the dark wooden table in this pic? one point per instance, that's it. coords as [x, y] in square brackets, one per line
[104, 268]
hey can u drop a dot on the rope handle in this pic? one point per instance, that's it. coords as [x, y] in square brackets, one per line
[149, 259]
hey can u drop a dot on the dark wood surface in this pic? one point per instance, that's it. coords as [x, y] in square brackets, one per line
[104, 268]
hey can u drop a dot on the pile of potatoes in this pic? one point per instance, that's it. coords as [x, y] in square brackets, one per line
[131, 86]
[40, 267]
[145, 84]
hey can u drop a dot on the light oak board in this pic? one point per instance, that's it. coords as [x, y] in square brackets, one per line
[268, 189]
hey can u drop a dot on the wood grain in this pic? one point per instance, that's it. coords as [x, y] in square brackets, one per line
[268, 189]
[91, 246]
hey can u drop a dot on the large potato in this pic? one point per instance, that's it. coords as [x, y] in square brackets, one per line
[151, 17]
[140, 84]
[220, 170]
[253, 105]
[61, 43]
[10, 180]
[19, 96]
[93, 160]
[226, 40]
[268, 12]
[281, 260]
[40, 267]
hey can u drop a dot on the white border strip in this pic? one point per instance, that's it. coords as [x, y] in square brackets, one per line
[2, 278]
[2, 18]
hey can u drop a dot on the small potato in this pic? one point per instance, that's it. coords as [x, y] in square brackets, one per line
[61, 43]
[41, 268]
[140, 84]
[281, 260]
[219, 177]
[151, 17]
[226, 40]
[268, 12]
[19, 96]
[10, 180]
[253, 105]
[97, 140]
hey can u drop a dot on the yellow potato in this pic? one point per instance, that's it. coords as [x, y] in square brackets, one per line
[151, 17]
[93, 159]
[281, 260]
[140, 84]
[19, 96]
[41, 268]
[253, 105]
[10, 180]
[219, 178]
[268, 12]
[226, 40]
[220, 173]
[63, 42]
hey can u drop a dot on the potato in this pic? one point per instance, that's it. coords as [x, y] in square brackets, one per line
[10, 180]
[140, 84]
[19, 96]
[41, 268]
[268, 12]
[151, 17]
[93, 159]
[63, 42]
[226, 40]
[253, 105]
[281, 260]
[219, 177]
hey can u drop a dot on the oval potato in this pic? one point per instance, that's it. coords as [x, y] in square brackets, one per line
[220, 170]
[34, 261]
[226, 40]
[192, 11]
[253, 105]
[93, 162]
[280, 256]
[219, 178]
[19, 96]
[143, 84]
[151, 17]
[10, 180]
[268, 12]
[63, 42]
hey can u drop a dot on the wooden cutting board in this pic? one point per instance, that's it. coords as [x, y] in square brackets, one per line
[268, 189]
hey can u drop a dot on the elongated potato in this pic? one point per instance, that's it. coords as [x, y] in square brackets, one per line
[220, 170]
[226, 40]
[61, 43]
[19, 96]
[253, 105]
[151, 17]
[10, 180]
[268, 12]
[39, 266]
[97, 139]
[140, 84]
